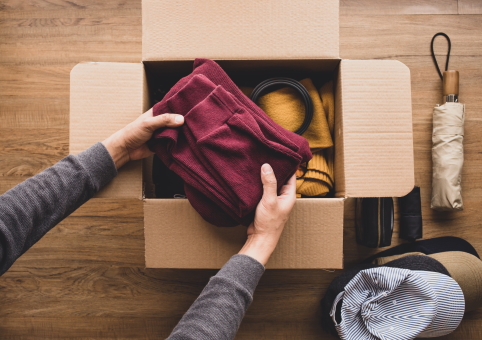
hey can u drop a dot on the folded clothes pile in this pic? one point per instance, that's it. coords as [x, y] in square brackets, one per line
[286, 108]
[419, 289]
[219, 150]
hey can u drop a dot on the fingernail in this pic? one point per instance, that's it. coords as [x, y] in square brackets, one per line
[179, 119]
[266, 168]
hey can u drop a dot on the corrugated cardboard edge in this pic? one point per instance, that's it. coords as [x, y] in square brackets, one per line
[250, 29]
[312, 238]
[105, 97]
[375, 127]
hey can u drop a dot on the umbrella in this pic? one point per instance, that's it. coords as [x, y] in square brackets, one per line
[447, 141]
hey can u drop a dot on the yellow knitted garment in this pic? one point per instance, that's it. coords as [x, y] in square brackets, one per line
[286, 108]
[317, 179]
[328, 99]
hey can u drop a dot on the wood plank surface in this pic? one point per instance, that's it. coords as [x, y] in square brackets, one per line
[470, 7]
[390, 7]
[86, 278]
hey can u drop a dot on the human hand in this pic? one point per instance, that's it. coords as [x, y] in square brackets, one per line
[129, 143]
[270, 218]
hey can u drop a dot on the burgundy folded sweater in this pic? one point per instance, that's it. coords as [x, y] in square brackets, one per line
[219, 150]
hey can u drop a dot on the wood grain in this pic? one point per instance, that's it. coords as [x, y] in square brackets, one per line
[389, 7]
[469, 7]
[86, 278]
[399, 36]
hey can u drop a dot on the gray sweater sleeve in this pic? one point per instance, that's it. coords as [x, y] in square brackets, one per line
[217, 312]
[30, 209]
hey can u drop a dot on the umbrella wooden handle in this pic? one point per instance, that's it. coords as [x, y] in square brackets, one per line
[451, 82]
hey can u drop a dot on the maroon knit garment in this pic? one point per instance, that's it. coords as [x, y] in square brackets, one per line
[219, 150]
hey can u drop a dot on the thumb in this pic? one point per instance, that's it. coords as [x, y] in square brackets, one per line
[165, 120]
[270, 192]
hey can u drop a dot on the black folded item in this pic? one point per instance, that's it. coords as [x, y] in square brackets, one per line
[428, 247]
[411, 215]
[168, 184]
[374, 221]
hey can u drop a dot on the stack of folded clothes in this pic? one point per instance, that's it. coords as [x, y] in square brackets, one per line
[219, 150]
[285, 107]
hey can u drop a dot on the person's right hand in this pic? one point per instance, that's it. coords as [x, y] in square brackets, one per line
[271, 215]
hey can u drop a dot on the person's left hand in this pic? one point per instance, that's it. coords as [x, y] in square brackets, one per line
[129, 143]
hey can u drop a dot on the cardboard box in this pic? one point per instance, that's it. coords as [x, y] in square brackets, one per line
[373, 125]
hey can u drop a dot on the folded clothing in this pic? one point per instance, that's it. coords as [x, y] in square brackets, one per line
[166, 182]
[219, 150]
[286, 108]
[316, 179]
[328, 99]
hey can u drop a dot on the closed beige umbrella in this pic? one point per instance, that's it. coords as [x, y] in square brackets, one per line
[447, 139]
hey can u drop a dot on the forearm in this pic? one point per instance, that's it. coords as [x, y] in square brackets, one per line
[32, 208]
[260, 247]
[116, 147]
[218, 311]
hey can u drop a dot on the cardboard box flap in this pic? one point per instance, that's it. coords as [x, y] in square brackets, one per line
[177, 237]
[374, 129]
[104, 97]
[251, 29]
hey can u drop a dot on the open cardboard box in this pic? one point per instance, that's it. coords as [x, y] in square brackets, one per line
[373, 124]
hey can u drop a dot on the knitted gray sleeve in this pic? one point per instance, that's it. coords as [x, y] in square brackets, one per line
[217, 312]
[30, 209]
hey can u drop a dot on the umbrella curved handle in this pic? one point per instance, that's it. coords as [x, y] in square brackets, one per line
[448, 53]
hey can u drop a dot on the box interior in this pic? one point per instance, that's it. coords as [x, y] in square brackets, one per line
[162, 75]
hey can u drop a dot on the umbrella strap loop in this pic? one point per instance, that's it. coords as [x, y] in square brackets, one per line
[448, 53]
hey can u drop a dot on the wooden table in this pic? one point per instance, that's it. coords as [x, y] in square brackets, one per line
[86, 279]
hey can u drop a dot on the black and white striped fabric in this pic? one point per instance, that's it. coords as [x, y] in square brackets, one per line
[398, 304]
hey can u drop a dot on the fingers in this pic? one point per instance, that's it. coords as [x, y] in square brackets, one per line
[289, 188]
[269, 185]
[164, 120]
[287, 196]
